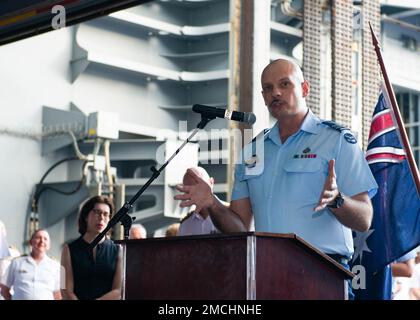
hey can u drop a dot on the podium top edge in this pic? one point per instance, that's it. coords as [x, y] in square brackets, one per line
[238, 235]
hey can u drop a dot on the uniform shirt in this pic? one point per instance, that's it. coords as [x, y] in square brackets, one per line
[196, 224]
[402, 285]
[408, 256]
[4, 248]
[284, 182]
[415, 278]
[33, 281]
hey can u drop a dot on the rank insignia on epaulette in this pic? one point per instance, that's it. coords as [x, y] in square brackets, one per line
[251, 162]
[334, 125]
[350, 138]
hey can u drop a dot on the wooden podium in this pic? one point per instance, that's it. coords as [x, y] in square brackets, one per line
[235, 266]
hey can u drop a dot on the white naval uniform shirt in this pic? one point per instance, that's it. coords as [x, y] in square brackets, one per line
[195, 225]
[33, 281]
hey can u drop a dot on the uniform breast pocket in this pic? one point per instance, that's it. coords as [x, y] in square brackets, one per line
[254, 179]
[49, 276]
[305, 179]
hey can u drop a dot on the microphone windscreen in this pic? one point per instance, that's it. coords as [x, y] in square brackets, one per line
[250, 118]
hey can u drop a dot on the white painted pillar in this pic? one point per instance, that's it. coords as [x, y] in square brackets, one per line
[261, 57]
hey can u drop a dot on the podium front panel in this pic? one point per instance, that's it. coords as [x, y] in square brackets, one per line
[186, 268]
[237, 266]
[288, 270]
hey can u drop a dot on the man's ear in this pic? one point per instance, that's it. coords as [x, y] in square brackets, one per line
[305, 88]
[262, 93]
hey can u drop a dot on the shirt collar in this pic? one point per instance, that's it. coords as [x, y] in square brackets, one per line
[198, 216]
[30, 259]
[274, 134]
[310, 124]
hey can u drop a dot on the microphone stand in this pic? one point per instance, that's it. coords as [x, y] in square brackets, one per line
[121, 215]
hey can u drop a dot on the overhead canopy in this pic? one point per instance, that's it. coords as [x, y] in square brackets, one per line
[25, 18]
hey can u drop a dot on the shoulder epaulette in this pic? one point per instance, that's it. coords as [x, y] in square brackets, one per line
[54, 259]
[21, 256]
[189, 214]
[348, 136]
[335, 126]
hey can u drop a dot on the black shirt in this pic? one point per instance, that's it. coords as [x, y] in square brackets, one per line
[93, 278]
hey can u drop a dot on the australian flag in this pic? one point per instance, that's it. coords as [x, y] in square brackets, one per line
[395, 228]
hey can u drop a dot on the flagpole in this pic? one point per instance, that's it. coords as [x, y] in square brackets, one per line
[394, 105]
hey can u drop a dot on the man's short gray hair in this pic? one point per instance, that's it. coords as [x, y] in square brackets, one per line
[141, 228]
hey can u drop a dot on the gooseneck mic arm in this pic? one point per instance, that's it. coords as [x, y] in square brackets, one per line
[122, 214]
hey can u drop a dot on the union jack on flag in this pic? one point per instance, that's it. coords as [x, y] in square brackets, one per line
[395, 228]
[380, 150]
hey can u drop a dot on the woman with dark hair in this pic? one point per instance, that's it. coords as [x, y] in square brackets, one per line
[92, 274]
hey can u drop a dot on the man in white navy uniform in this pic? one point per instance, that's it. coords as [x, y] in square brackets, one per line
[35, 276]
[197, 222]
[311, 177]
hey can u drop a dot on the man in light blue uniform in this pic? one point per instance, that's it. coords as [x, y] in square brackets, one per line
[311, 177]
[284, 193]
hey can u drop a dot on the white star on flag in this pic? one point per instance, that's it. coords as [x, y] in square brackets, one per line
[360, 244]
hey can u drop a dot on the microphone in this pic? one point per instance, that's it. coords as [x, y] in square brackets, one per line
[213, 112]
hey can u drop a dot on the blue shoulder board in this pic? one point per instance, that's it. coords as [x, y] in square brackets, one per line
[348, 136]
[334, 125]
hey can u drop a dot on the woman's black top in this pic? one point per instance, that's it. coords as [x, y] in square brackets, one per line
[93, 278]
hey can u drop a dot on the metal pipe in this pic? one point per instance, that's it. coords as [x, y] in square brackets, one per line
[288, 10]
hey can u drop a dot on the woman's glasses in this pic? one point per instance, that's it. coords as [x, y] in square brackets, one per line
[99, 212]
